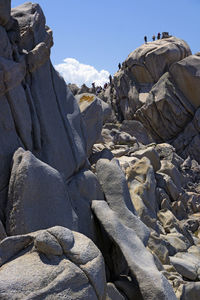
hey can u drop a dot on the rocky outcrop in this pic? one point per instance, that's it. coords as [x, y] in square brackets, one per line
[99, 193]
[59, 264]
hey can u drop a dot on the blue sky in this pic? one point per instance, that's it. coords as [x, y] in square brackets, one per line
[102, 33]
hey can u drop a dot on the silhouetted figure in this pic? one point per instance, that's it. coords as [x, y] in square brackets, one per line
[93, 87]
[153, 37]
[145, 39]
[119, 66]
[105, 86]
[158, 36]
[110, 79]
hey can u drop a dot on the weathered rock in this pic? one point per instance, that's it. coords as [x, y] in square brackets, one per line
[142, 184]
[152, 284]
[113, 293]
[59, 139]
[127, 94]
[94, 112]
[148, 62]
[186, 76]
[185, 268]
[83, 188]
[136, 129]
[151, 154]
[117, 195]
[37, 197]
[58, 263]
[190, 291]
[166, 111]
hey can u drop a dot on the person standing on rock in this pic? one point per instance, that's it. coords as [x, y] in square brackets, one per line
[110, 79]
[119, 66]
[158, 36]
[145, 39]
[153, 37]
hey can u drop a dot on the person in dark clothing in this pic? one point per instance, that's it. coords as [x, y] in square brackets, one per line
[110, 79]
[153, 37]
[158, 36]
[145, 39]
[119, 66]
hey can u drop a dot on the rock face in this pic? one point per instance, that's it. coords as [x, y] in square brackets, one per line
[99, 193]
[59, 264]
[37, 197]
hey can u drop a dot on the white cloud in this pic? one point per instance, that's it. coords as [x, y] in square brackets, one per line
[75, 72]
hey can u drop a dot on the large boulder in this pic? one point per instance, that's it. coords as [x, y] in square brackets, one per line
[83, 188]
[53, 264]
[94, 112]
[152, 284]
[187, 78]
[166, 111]
[55, 121]
[150, 61]
[37, 197]
[114, 185]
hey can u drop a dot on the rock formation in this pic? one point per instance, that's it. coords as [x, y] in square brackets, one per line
[99, 194]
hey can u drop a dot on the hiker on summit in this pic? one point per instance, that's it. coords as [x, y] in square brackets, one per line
[119, 66]
[145, 39]
[153, 37]
[158, 36]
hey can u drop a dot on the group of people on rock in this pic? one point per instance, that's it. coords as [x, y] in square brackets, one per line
[164, 36]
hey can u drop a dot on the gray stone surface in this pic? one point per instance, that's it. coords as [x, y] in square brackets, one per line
[186, 268]
[153, 285]
[117, 195]
[37, 197]
[191, 291]
[113, 293]
[142, 185]
[148, 62]
[94, 112]
[60, 126]
[186, 75]
[83, 188]
[58, 264]
[166, 110]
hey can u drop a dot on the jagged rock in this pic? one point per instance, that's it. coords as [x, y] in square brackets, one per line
[152, 284]
[94, 112]
[117, 195]
[148, 62]
[83, 188]
[136, 129]
[59, 263]
[37, 197]
[151, 154]
[142, 184]
[127, 94]
[73, 88]
[113, 293]
[186, 264]
[186, 76]
[158, 247]
[166, 110]
[190, 291]
[58, 137]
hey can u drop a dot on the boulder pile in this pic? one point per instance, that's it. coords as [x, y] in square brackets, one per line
[99, 196]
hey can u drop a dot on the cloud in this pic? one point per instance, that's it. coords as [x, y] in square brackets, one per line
[75, 72]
